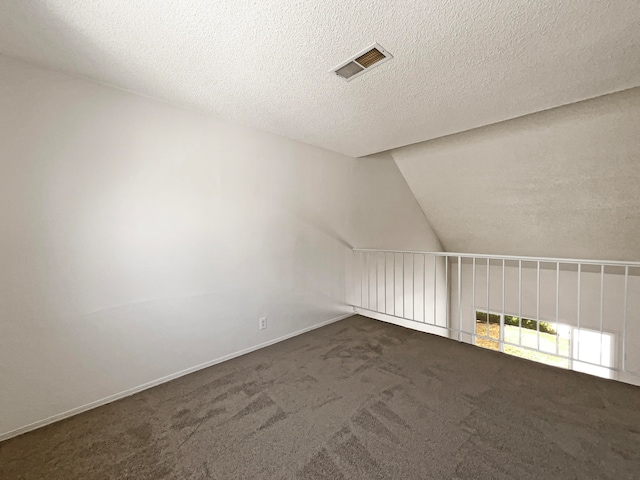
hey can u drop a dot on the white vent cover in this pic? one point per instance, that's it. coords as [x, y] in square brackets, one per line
[362, 62]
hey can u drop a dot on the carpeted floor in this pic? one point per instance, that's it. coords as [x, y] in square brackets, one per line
[358, 399]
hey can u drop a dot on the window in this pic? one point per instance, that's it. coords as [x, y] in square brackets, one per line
[595, 348]
[552, 343]
[535, 340]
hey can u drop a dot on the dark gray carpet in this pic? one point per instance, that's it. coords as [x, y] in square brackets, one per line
[358, 399]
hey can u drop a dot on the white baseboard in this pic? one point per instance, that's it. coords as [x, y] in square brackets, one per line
[412, 324]
[153, 383]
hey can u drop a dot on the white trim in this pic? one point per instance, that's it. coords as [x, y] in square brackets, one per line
[402, 322]
[621, 263]
[153, 383]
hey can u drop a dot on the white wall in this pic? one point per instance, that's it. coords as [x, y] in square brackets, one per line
[140, 239]
[613, 316]
[559, 183]
[376, 286]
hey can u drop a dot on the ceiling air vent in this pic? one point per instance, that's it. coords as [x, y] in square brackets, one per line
[362, 62]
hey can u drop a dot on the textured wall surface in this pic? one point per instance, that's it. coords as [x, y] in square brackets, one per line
[561, 183]
[140, 240]
[459, 64]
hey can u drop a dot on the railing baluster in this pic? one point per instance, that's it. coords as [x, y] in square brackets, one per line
[368, 281]
[486, 332]
[424, 288]
[435, 286]
[557, 308]
[377, 284]
[459, 298]
[624, 321]
[502, 321]
[413, 285]
[446, 286]
[361, 279]
[385, 282]
[404, 303]
[520, 302]
[538, 303]
[395, 310]
[578, 312]
[601, 307]
[473, 297]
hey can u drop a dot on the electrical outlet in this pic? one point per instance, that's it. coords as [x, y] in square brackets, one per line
[262, 323]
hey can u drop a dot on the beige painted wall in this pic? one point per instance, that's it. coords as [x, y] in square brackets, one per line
[140, 239]
[560, 183]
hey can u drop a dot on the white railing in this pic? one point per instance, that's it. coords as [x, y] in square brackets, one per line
[577, 314]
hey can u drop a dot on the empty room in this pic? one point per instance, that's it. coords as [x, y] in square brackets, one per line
[319, 239]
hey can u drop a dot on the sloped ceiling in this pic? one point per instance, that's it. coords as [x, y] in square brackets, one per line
[459, 64]
[560, 183]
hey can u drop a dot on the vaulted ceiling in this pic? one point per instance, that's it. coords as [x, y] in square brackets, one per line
[458, 64]
[559, 183]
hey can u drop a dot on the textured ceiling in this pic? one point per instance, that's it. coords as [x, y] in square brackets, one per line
[560, 183]
[458, 64]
